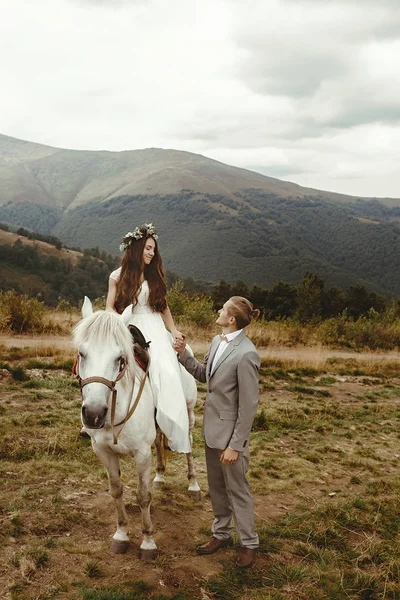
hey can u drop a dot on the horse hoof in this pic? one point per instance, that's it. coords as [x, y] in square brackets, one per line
[119, 547]
[196, 495]
[146, 554]
[158, 483]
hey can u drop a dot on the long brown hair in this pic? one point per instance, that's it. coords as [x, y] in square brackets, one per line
[243, 311]
[132, 266]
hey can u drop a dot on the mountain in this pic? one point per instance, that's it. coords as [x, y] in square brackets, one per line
[215, 221]
[66, 179]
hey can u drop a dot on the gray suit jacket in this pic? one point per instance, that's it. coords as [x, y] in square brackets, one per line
[232, 396]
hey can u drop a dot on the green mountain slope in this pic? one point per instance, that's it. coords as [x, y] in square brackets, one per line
[69, 178]
[215, 221]
[261, 241]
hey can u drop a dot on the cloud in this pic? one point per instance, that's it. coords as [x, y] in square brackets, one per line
[112, 4]
[298, 48]
[301, 89]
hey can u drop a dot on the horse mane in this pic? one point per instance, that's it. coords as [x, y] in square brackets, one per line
[99, 327]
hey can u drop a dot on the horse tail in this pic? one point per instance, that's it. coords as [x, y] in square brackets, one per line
[166, 451]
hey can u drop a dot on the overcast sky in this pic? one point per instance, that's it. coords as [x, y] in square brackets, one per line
[303, 90]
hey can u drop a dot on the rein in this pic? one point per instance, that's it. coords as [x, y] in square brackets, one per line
[111, 386]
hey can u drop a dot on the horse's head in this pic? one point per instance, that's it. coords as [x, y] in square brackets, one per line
[105, 358]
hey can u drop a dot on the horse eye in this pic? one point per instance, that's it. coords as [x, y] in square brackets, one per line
[82, 355]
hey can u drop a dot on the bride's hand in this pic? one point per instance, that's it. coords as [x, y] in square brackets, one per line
[179, 346]
[177, 335]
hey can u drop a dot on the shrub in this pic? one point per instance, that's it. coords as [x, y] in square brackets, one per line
[64, 305]
[176, 299]
[373, 334]
[21, 314]
[191, 308]
[99, 303]
[259, 332]
[368, 331]
[4, 316]
[198, 310]
[332, 331]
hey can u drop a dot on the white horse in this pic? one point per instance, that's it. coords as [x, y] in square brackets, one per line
[106, 364]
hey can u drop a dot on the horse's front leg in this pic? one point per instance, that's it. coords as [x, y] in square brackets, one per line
[159, 479]
[148, 548]
[194, 488]
[120, 542]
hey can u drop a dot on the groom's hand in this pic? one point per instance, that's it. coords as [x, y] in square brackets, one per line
[179, 345]
[229, 456]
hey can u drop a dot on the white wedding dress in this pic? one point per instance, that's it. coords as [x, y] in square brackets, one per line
[165, 371]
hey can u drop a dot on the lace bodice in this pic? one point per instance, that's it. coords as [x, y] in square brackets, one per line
[142, 306]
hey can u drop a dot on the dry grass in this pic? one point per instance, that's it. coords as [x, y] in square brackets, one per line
[340, 333]
[21, 354]
[366, 364]
[324, 471]
[24, 315]
[58, 321]
[279, 333]
[9, 238]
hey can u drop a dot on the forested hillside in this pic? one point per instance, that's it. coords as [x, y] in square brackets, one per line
[30, 269]
[38, 266]
[37, 217]
[261, 240]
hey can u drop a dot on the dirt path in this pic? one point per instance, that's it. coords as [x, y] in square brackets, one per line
[323, 352]
[307, 353]
[28, 341]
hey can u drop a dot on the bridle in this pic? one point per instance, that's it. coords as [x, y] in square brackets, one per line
[111, 385]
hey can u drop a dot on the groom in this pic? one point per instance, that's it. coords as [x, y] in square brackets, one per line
[231, 370]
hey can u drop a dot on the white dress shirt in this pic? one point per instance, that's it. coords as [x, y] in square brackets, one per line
[222, 347]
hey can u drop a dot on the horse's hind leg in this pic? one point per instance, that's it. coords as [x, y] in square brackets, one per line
[120, 542]
[159, 479]
[148, 548]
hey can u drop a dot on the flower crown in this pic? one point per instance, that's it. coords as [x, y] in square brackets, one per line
[144, 231]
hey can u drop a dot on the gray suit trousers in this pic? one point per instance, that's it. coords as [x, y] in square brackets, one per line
[231, 497]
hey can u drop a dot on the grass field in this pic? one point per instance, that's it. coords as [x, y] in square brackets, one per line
[324, 470]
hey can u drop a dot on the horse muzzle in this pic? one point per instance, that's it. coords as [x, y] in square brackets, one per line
[94, 418]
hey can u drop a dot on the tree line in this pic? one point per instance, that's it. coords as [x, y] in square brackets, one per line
[55, 278]
[308, 301]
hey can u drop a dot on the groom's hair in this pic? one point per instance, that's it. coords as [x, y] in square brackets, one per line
[243, 311]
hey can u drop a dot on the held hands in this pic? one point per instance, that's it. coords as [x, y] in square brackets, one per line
[229, 456]
[177, 335]
[179, 344]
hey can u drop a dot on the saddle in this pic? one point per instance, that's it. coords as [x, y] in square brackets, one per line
[140, 347]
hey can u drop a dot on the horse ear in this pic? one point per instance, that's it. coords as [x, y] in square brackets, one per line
[87, 308]
[126, 315]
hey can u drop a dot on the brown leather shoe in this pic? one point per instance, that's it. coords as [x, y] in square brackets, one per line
[213, 545]
[245, 558]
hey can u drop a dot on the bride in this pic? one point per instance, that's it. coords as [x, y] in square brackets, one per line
[140, 281]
